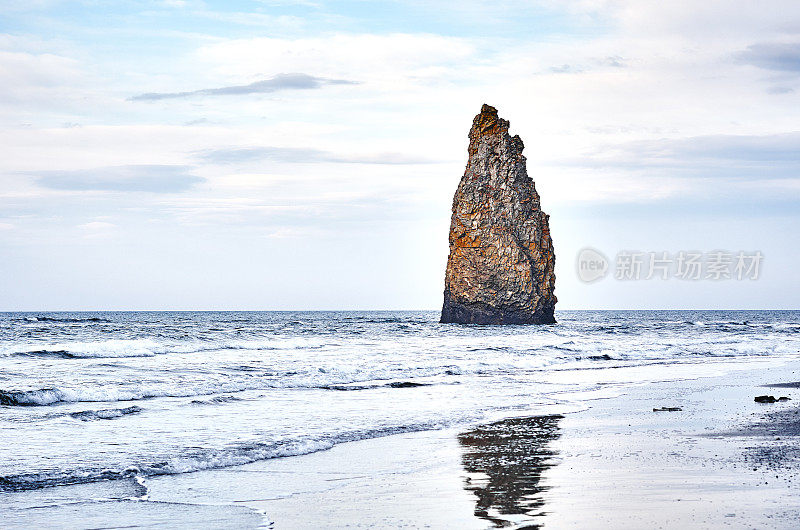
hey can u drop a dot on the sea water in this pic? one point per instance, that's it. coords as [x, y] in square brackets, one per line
[87, 397]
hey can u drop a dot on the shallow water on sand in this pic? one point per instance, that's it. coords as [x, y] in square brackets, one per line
[96, 396]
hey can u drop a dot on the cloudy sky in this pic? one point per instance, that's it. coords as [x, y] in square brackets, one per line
[303, 154]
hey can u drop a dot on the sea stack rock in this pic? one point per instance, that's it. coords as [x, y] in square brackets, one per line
[501, 264]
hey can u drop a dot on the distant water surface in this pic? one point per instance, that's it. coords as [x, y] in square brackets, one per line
[98, 396]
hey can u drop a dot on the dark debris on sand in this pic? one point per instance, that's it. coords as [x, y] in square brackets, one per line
[795, 384]
[779, 448]
[770, 399]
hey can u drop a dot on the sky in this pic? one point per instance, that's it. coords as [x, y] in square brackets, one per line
[292, 155]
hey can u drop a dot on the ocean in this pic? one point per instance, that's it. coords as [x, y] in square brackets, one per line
[97, 396]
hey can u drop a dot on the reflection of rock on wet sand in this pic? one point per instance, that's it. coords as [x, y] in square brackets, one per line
[504, 462]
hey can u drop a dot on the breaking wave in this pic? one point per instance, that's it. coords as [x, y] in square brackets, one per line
[71, 320]
[216, 405]
[394, 384]
[203, 459]
[53, 396]
[121, 348]
[62, 354]
[105, 414]
[217, 400]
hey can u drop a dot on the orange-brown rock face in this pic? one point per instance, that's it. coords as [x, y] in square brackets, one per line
[501, 263]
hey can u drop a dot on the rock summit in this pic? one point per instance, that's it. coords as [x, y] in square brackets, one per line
[501, 264]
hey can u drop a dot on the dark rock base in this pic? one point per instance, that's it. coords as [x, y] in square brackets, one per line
[483, 314]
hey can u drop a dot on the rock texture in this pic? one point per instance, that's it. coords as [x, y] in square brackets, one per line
[500, 268]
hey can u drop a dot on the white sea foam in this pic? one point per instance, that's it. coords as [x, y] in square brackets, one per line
[227, 389]
[322, 380]
[50, 396]
[205, 459]
[121, 348]
[105, 414]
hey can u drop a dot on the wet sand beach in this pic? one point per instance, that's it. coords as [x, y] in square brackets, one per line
[722, 460]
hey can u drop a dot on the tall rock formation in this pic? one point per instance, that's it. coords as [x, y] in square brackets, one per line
[500, 268]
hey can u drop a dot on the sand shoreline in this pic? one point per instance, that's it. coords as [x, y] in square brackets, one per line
[722, 460]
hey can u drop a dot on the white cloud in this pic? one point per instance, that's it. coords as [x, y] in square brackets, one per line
[132, 178]
[97, 231]
[275, 83]
[629, 109]
[380, 58]
[254, 19]
[97, 226]
[30, 77]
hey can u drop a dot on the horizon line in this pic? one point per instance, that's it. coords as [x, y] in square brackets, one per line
[354, 310]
